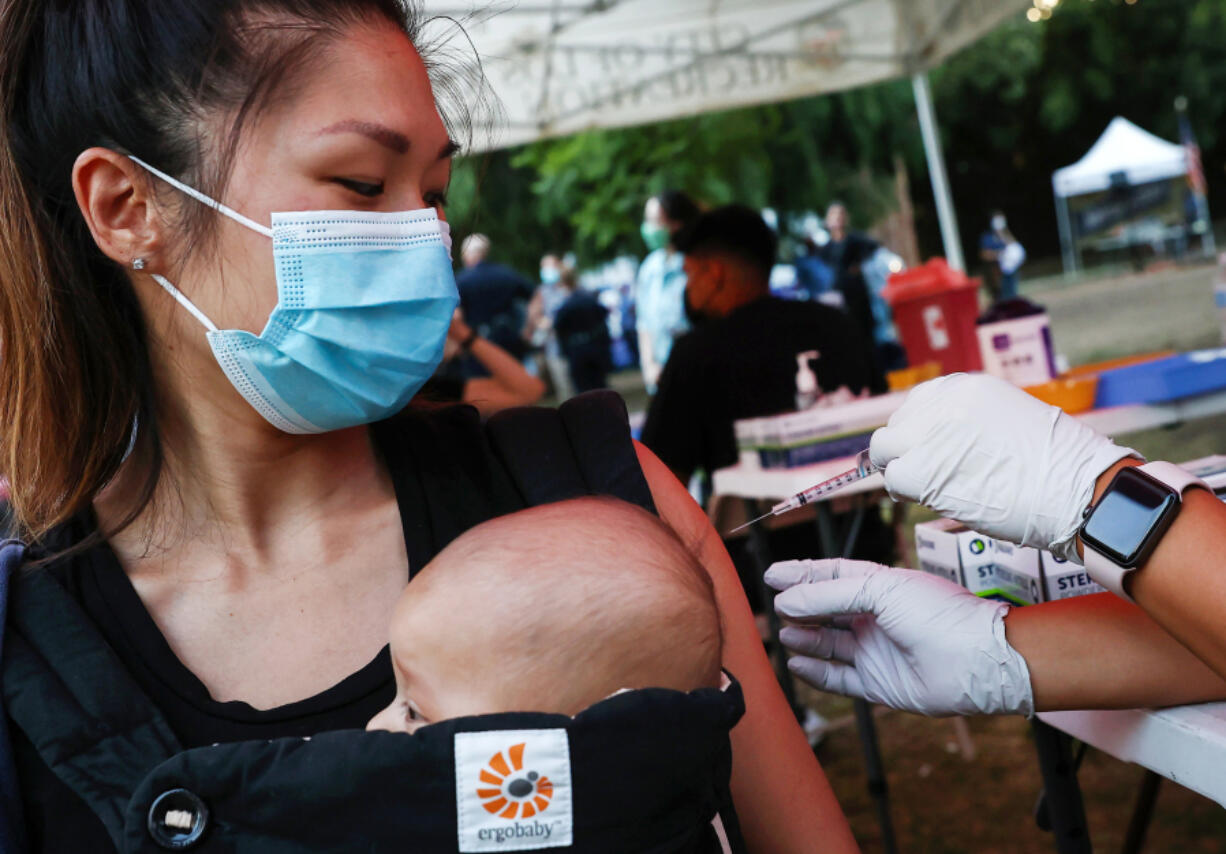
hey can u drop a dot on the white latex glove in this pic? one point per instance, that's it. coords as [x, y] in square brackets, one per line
[980, 450]
[900, 637]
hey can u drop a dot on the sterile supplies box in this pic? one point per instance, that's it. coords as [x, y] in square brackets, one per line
[1064, 579]
[967, 558]
[1019, 571]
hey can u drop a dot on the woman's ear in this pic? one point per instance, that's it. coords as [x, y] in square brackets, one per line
[113, 196]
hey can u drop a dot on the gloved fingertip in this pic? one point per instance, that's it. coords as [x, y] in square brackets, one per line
[783, 574]
[885, 446]
[792, 635]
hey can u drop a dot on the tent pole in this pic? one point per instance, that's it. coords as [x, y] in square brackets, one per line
[1066, 236]
[936, 171]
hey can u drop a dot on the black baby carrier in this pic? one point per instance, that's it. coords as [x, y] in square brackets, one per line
[642, 771]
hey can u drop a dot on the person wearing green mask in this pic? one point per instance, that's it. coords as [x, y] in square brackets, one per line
[659, 293]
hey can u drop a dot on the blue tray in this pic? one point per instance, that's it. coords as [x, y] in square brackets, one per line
[1185, 375]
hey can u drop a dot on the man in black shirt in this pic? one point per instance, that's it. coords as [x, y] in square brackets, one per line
[582, 326]
[739, 361]
[494, 299]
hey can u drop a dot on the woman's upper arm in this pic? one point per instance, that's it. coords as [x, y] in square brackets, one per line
[783, 800]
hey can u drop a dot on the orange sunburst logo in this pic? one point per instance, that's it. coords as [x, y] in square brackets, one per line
[508, 791]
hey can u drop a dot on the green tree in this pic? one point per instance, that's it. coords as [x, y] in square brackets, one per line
[1012, 108]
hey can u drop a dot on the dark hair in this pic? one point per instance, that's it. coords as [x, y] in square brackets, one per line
[733, 230]
[173, 82]
[678, 207]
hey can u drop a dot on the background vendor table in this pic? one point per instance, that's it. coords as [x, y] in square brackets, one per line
[1185, 744]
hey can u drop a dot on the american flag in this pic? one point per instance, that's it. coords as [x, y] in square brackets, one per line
[1196, 171]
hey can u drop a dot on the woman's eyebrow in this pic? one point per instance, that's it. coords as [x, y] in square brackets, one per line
[385, 136]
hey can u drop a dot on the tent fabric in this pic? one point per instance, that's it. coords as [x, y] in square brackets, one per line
[1123, 149]
[556, 67]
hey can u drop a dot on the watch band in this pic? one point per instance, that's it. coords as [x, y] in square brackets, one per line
[1110, 574]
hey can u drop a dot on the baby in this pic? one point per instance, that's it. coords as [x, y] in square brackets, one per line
[550, 610]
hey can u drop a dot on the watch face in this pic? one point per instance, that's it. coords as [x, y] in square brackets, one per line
[1130, 517]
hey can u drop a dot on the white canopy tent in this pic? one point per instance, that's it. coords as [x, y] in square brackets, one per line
[562, 66]
[1124, 152]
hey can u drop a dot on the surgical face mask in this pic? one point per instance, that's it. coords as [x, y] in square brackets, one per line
[655, 236]
[550, 275]
[364, 302]
[998, 223]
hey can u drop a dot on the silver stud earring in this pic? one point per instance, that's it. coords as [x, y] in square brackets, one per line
[138, 264]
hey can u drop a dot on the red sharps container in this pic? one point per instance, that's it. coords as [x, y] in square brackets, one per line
[935, 308]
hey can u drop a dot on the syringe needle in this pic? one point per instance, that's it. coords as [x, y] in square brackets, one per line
[751, 521]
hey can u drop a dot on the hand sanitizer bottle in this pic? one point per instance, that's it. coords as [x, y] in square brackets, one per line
[807, 390]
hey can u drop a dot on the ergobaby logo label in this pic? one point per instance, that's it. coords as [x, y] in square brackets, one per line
[513, 790]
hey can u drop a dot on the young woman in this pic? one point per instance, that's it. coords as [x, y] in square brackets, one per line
[188, 396]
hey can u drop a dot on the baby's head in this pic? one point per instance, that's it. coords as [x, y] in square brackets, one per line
[551, 610]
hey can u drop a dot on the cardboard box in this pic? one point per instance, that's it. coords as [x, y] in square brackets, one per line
[815, 435]
[1064, 579]
[967, 558]
[1018, 350]
[1019, 572]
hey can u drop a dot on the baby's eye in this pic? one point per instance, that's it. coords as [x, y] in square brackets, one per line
[362, 188]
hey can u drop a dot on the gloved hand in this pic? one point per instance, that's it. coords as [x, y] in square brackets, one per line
[900, 637]
[984, 452]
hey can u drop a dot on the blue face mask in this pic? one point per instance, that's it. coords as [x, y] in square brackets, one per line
[364, 302]
[550, 275]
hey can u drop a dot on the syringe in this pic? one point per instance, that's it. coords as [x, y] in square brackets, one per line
[864, 467]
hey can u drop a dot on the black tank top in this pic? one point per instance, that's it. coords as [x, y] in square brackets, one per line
[445, 480]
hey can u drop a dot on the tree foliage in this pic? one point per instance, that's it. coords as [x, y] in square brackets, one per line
[1022, 102]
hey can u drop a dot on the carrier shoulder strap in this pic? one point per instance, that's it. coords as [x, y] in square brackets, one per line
[466, 472]
[66, 689]
[581, 448]
[12, 825]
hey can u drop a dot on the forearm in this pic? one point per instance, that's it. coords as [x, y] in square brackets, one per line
[1183, 584]
[784, 802]
[1100, 652]
[513, 382]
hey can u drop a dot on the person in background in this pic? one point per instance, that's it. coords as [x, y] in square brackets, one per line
[508, 383]
[582, 328]
[845, 253]
[660, 287]
[494, 299]
[740, 362]
[538, 330]
[1002, 256]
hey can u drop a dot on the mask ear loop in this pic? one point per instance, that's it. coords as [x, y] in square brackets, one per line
[215, 205]
[185, 302]
[203, 199]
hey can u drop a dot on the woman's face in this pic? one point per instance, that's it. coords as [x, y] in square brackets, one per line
[358, 132]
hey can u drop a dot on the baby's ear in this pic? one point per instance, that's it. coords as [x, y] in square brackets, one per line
[390, 719]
